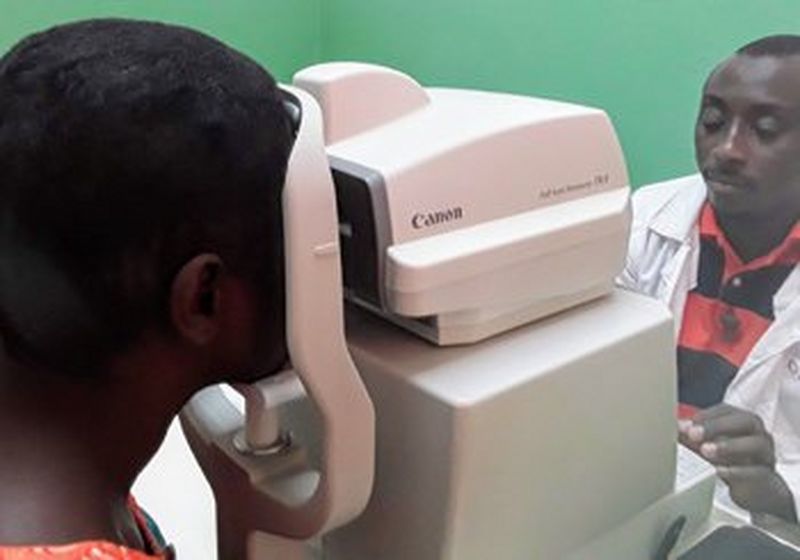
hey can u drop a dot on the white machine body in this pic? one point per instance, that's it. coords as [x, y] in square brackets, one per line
[460, 216]
[464, 214]
[531, 445]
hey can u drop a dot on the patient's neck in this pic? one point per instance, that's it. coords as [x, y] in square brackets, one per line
[71, 450]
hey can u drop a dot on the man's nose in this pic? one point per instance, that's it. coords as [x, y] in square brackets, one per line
[732, 149]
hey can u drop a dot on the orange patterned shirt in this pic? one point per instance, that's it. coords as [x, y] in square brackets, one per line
[95, 550]
[79, 551]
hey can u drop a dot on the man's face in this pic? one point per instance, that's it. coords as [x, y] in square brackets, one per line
[747, 137]
[261, 333]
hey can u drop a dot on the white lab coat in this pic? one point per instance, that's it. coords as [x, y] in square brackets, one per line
[662, 262]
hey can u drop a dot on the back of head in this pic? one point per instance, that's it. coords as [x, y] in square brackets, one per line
[772, 45]
[126, 148]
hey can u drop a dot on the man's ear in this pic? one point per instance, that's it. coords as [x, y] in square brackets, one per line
[195, 299]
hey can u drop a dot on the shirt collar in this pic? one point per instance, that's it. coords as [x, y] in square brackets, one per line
[677, 217]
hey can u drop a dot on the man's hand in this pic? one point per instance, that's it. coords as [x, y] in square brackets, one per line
[735, 441]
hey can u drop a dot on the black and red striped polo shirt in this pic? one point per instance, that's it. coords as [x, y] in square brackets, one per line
[728, 311]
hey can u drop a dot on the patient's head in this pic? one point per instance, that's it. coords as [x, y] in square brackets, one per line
[748, 131]
[141, 168]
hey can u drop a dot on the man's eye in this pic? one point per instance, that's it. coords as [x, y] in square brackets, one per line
[711, 118]
[767, 127]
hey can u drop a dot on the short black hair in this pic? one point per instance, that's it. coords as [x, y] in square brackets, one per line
[772, 45]
[126, 148]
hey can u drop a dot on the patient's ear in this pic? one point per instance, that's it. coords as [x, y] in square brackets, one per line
[195, 299]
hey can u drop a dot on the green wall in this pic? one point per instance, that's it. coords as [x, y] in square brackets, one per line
[643, 61]
[283, 35]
